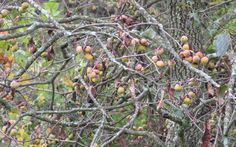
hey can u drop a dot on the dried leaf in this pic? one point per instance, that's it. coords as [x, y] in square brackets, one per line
[50, 53]
[93, 91]
[161, 102]
[1, 57]
[132, 88]
[210, 89]
[122, 142]
[32, 46]
[207, 135]
[170, 90]
[109, 43]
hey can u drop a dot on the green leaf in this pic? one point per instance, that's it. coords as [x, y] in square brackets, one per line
[13, 113]
[222, 43]
[222, 89]
[210, 49]
[52, 7]
[46, 63]
[3, 45]
[21, 56]
[196, 18]
[149, 33]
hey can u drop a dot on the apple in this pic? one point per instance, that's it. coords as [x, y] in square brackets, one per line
[199, 54]
[88, 56]
[94, 80]
[125, 59]
[134, 41]
[160, 63]
[171, 63]
[121, 90]
[144, 42]
[186, 53]
[196, 59]
[25, 5]
[187, 101]
[21, 10]
[185, 46]
[191, 94]
[184, 39]
[4, 13]
[87, 49]
[89, 70]
[99, 66]
[189, 59]
[204, 60]
[13, 132]
[178, 87]
[160, 51]
[155, 58]
[92, 74]
[139, 67]
[79, 49]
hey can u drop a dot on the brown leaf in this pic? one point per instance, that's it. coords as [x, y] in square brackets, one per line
[220, 100]
[32, 46]
[93, 90]
[170, 90]
[50, 53]
[161, 102]
[210, 89]
[109, 43]
[132, 88]
[122, 142]
[207, 135]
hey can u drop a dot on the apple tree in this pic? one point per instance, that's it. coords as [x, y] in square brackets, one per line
[117, 73]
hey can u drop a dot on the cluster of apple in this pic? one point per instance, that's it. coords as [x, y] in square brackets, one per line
[140, 44]
[189, 55]
[86, 50]
[4, 13]
[188, 98]
[20, 132]
[94, 74]
[6, 61]
[196, 58]
[126, 19]
[156, 58]
[158, 61]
